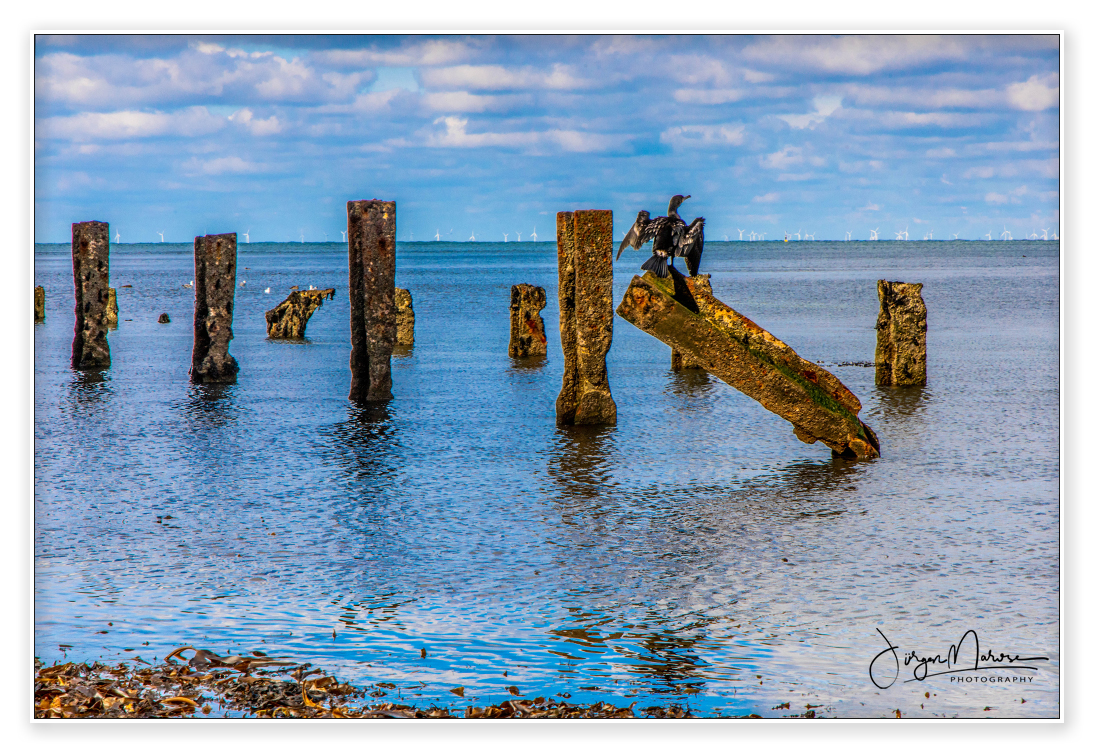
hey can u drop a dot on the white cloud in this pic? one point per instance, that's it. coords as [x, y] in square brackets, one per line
[708, 96]
[1012, 197]
[786, 157]
[129, 124]
[939, 119]
[922, 96]
[429, 52]
[940, 153]
[704, 135]
[699, 69]
[1036, 93]
[823, 106]
[982, 172]
[461, 101]
[497, 77]
[455, 135]
[858, 54]
[256, 126]
[219, 166]
[766, 198]
[795, 176]
[870, 207]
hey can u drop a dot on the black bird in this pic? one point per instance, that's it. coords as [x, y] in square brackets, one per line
[671, 237]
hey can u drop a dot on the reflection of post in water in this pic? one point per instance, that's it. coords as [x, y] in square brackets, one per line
[897, 403]
[581, 460]
[365, 444]
[691, 383]
[807, 481]
[209, 406]
[89, 390]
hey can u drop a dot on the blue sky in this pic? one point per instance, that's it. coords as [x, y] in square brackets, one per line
[495, 134]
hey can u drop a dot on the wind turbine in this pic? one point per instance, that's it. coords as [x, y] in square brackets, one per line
[1032, 237]
[809, 237]
[725, 237]
[848, 236]
[1054, 236]
[505, 235]
[762, 235]
[247, 235]
[301, 236]
[437, 237]
[955, 236]
[740, 234]
[533, 233]
[117, 236]
[988, 236]
[873, 233]
[1045, 236]
[325, 237]
[799, 234]
[518, 236]
[343, 236]
[160, 233]
[472, 238]
[1006, 236]
[752, 235]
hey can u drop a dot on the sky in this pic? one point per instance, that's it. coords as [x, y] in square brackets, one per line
[493, 135]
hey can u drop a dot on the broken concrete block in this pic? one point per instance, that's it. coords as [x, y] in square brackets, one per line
[164, 318]
[526, 333]
[686, 316]
[585, 316]
[111, 308]
[39, 304]
[289, 318]
[371, 297]
[91, 275]
[404, 317]
[901, 356]
[214, 301]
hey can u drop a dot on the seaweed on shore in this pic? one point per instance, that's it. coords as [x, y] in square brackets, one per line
[208, 685]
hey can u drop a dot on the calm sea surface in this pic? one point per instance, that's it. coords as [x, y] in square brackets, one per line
[695, 554]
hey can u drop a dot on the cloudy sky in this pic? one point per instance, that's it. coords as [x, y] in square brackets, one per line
[491, 135]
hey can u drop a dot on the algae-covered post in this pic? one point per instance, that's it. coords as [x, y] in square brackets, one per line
[901, 356]
[111, 308]
[91, 275]
[39, 304]
[682, 313]
[526, 333]
[371, 297]
[289, 319]
[404, 317]
[214, 300]
[585, 316]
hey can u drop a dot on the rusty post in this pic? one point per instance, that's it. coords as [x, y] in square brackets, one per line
[526, 334]
[900, 359]
[214, 300]
[371, 297]
[91, 275]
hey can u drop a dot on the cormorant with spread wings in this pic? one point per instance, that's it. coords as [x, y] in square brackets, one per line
[671, 237]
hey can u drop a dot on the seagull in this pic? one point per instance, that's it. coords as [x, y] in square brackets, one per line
[671, 238]
[244, 282]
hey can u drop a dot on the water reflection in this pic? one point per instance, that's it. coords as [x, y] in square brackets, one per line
[89, 391]
[898, 403]
[365, 446]
[528, 363]
[582, 460]
[209, 406]
[691, 383]
[402, 351]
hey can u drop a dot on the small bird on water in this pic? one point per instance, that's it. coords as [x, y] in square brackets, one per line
[671, 237]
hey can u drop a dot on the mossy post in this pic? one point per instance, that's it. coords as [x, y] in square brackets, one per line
[901, 356]
[682, 313]
[91, 275]
[526, 334]
[404, 317]
[585, 317]
[39, 304]
[111, 308]
[214, 301]
[371, 298]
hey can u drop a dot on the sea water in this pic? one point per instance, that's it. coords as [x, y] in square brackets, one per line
[695, 554]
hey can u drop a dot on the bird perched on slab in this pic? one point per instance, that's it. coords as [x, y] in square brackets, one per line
[671, 237]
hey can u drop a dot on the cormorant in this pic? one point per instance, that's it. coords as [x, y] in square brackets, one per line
[671, 237]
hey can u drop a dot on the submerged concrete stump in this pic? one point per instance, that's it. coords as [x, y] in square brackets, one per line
[404, 317]
[39, 304]
[164, 318]
[901, 356]
[111, 308]
[585, 316]
[91, 275]
[682, 313]
[371, 297]
[214, 300]
[526, 334]
[289, 319]
[680, 361]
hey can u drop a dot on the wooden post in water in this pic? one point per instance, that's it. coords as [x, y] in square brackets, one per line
[404, 317]
[39, 304]
[214, 300]
[900, 359]
[91, 275]
[585, 316]
[526, 334]
[371, 298]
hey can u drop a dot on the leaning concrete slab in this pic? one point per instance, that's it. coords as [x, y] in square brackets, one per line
[526, 333]
[900, 359]
[585, 317]
[404, 317]
[214, 301]
[371, 298]
[91, 275]
[680, 361]
[686, 316]
[289, 319]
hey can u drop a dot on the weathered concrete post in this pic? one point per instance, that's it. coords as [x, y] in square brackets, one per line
[91, 274]
[111, 308]
[371, 297]
[289, 319]
[901, 356]
[214, 300]
[526, 334]
[585, 316]
[404, 317]
[680, 361]
[39, 304]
